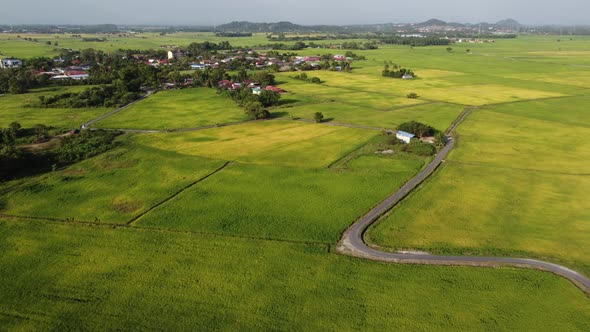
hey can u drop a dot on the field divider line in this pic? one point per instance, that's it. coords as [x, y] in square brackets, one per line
[472, 163]
[19, 218]
[53, 219]
[485, 106]
[226, 164]
[353, 242]
[111, 113]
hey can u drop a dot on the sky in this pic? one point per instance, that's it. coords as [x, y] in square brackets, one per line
[307, 12]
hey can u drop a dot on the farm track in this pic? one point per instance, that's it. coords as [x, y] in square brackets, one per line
[182, 130]
[353, 241]
[130, 222]
[109, 114]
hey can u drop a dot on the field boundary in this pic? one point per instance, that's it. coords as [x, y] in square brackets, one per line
[192, 184]
[111, 113]
[73, 223]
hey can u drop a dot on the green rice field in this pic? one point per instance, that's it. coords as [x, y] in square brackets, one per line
[177, 109]
[235, 227]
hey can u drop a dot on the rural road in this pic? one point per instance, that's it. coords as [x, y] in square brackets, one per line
[353, 240]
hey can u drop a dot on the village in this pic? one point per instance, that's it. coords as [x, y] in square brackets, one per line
[180, 60]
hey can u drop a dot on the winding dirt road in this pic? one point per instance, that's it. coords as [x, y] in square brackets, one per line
[353, 240]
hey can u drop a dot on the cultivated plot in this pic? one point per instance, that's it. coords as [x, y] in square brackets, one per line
[284, 203]
[129, 278]
[20, 108]
[187, 108]
[286, 143]
[522, 141]
[111, 188]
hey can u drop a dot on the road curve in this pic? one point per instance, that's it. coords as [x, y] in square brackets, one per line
[353, 240]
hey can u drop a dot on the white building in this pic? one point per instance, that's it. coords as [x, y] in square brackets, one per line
[10, 63]
[403, 136]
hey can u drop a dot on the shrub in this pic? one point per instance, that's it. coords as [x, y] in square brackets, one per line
[412, 95]
[318, 117]
[420, 148]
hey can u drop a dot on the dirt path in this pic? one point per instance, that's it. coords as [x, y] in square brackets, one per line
[109, 114]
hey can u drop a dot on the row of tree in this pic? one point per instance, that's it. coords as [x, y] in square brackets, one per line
[101, 96]
[415, 41]
[255, 106]
[68, 149]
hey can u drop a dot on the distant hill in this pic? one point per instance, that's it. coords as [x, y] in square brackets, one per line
[510, 23]
[432, 22]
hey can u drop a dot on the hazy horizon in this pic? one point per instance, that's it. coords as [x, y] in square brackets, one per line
[306, 12]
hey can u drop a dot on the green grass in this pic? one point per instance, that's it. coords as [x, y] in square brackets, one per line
[275, 142]
[14, 108]
[293, 204]
[122, 279]
[13, 47]
[177, 109]
[113, 187]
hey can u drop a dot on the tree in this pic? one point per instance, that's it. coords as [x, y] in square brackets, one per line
[412, 95]
[417, 128]
[269, 98]
[264, 78]
[318, 117]
[316, 80]
[17, 86]
[439, 139]
[449, 49]
[14, 127]
[255, 111]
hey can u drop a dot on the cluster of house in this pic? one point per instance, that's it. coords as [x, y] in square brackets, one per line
[73, 72]
[10, 63]
[68, 73]
[472, 40]
[255, 87]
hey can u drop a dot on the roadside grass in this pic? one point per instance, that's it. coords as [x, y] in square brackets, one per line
[110, 188]
[139, 279]
[275, 142]
[177, 109]
[13, 108]
[287, 203]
